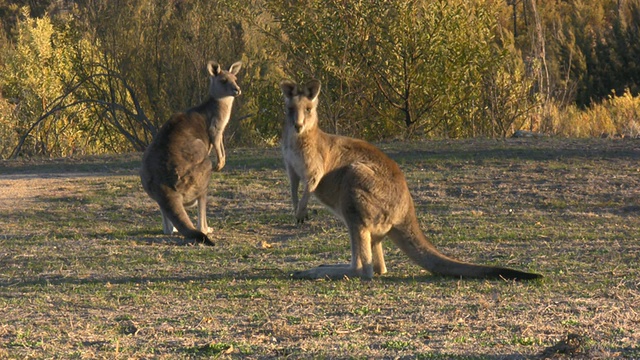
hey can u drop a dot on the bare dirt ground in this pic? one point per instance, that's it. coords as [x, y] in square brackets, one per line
[22, 191]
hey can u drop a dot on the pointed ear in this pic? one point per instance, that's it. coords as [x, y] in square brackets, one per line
[312, 89]
[235, 68]
[213, 68]
[289, 88]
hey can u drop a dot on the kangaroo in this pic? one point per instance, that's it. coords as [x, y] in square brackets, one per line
[176, 167]
[366, 190]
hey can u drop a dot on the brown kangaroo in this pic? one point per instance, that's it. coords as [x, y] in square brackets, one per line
[176, 167]
[366, 190]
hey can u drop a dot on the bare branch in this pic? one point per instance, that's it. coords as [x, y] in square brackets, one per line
[57, 106]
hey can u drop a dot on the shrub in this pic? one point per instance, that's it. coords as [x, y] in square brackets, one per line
[616, 116]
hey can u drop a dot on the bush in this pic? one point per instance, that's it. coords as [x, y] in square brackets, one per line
[616, 116]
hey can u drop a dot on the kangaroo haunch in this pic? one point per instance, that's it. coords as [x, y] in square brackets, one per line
[176, 167]
[366, 190]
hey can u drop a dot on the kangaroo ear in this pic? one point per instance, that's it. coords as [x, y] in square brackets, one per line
[312, 89]
[289, 88]
[214, 68]
[235, 68]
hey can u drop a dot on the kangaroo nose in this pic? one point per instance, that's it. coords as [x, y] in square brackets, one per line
[237, 92]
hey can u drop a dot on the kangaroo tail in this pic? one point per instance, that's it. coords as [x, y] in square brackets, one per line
[413, 242]
[178, 215]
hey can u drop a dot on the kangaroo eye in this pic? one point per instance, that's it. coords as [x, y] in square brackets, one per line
[308, 110]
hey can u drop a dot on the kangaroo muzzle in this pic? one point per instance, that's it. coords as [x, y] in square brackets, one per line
[298, 124]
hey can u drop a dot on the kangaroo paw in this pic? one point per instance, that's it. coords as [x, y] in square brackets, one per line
[207, 230]
[301, 217]
[335, 272]
[204, 239]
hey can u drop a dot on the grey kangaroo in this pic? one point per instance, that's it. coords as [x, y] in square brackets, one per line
[176, 167]
[366, 190]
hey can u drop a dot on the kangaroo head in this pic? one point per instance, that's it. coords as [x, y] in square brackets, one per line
[300, 103]
[223, 83]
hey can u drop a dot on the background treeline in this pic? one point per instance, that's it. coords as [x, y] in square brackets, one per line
[93, 76]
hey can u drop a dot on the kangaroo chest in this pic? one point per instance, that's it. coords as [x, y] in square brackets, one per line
[294, 160]
[304, 158]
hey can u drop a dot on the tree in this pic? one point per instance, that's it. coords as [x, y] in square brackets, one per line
[423, 58]
[316, 43]
[161, 49]
[34, 74]
[127, 66]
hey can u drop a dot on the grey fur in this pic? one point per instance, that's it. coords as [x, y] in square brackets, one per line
[176, 167]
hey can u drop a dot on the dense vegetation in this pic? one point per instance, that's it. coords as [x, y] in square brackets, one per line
[93, 76]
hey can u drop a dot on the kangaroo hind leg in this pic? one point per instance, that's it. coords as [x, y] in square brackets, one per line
[174, 210]
[379, 266]
[361, 260]
[202, 215]
[167, 225]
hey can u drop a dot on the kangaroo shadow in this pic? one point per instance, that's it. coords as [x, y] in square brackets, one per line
[254, 274]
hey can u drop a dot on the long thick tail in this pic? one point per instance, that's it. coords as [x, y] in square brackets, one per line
[178, 215]
[413, 242]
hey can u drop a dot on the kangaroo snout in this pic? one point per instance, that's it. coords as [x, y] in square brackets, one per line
[237, 92]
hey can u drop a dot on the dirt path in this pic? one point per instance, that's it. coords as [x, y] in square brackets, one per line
[18, 191]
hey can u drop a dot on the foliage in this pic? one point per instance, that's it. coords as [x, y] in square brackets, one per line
[435, 53]
[507, 99]
[592, 46]
[423, 59]
[616, 116]
[151, 72]
[34, 76]
[103, 76]
[317, 42]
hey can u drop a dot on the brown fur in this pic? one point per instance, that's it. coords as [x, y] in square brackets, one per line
[176, 167]
[366, 190]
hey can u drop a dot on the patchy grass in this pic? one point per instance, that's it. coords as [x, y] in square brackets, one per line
[86, 273]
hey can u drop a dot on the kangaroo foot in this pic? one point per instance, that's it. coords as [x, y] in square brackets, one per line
[335, 272]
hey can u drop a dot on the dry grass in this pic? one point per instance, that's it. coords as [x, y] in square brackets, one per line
[85, 272]
[616, 116]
